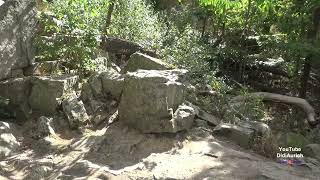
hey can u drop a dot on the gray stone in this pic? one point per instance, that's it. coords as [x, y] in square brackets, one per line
[86, 93]
[17, 29]
[82, 168]
[101, 89]
[312, 150]
[201, 123]
[183, 118]
[201, 114]
[240, 135]
[105, 115]
[8, 142]
[47, 92]
[95, 85]
[75, 111]
[150, 97]
[314, 135]
[142, 61]
[41, 68]
[17, 91]
[17, 73]
[112, 83]
[44, 127]
[38, 172]
[261, 129]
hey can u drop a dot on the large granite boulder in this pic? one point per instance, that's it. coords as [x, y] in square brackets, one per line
[47, 92]
[112, 84]
[102, 89]
[103, 85]
[17, 29]
[151, 98]
[17, 91]
[143, 61]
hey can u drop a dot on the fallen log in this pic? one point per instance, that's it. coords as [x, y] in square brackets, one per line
[302, 103]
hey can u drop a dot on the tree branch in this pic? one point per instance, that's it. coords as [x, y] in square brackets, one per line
[302, 103]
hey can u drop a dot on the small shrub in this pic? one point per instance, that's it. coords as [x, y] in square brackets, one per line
[68, 32]
[135, 20]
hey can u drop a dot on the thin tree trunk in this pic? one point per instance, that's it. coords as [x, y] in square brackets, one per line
[109, 16]
[305, 77]
[204, 27]
[312, 36]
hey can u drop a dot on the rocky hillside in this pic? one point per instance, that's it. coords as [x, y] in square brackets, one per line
[138, 119]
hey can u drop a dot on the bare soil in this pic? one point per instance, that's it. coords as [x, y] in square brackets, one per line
[119, 152]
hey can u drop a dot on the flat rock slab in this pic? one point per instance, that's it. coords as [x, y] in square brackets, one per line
[150, 98]
[241, 135]
[143, 61]
[47, 92]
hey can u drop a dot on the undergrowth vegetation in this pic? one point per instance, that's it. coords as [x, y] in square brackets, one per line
[230, 47]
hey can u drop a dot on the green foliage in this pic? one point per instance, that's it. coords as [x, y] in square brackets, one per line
[184, 50]
[251, 109]
[69, 31]
[136, 21]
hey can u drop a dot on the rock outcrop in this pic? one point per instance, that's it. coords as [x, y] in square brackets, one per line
[143, 61]
[102, 93]
[112, 84]
[243, 133]
[47, 92]
[240, 135]
[41, 68]
[17, 24]
[17, 91]
[151, 99]
[75, 111]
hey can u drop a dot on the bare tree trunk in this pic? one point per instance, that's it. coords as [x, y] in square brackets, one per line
[205, 19]
[109, 16]
[312, 36]
[305, 78]
[302, 103]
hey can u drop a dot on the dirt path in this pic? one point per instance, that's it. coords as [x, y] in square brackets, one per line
[117, 152]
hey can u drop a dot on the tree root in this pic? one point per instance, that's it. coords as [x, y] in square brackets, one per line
[302, 103]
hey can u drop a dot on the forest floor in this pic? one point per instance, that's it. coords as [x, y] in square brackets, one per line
[118, 152]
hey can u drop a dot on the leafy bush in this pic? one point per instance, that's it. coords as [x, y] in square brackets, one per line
[69, 31]
[136, 21]
[185, 50]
